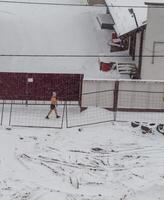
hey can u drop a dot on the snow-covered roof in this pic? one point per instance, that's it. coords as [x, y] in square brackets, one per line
[124, 22]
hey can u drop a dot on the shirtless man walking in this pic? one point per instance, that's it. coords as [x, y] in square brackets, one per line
[53, 105]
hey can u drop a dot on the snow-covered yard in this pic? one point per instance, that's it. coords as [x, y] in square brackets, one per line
[112, 161]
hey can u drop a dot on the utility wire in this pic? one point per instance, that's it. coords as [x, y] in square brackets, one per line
[46, 3]
[73, 4]
[76, 56]
[78, 5]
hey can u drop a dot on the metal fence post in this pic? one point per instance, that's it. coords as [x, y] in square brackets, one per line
[2, 112]
[115, 100]
[67, 126]
[63, 115]
[10, 113]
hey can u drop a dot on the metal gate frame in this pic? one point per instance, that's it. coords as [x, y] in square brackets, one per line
[2, 111]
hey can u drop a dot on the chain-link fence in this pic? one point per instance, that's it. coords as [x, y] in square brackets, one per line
[98, 108]
[34, 115]
[100, 102]
[124, 101]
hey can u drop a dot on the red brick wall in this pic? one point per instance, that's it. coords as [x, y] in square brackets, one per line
[15, 86]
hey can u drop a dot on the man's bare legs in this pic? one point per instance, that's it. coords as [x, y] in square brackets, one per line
[57, 116]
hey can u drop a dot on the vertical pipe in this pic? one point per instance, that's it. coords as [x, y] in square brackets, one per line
[154, 43]
[140, 55]
[134, 46]
[115, 99]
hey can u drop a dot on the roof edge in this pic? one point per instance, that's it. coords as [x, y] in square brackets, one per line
[140, 28]
[154, 3]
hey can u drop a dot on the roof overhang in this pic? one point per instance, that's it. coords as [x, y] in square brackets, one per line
[124, 21]
[139, 29]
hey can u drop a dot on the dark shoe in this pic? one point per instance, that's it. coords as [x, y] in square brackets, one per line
[47, 117]
[57, 116]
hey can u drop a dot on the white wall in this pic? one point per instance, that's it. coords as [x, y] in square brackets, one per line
[137, 50]
[132, 94]
[154, 33]
[141, 95]
[98, 93]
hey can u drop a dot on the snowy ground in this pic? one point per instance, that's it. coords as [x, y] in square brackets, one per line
[110, 161]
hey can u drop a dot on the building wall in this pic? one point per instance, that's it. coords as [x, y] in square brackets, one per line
[153, 69]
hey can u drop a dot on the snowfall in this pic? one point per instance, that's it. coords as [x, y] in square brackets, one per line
[108, 161]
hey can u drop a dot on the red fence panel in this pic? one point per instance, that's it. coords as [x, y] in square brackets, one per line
[39, 86]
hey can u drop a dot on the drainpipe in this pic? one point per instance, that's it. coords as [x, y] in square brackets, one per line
[140, 54]
[134, 46]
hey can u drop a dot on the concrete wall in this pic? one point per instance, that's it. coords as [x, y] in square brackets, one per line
[144, 95]
[132, 95]
[98, 93]
[154, 70]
